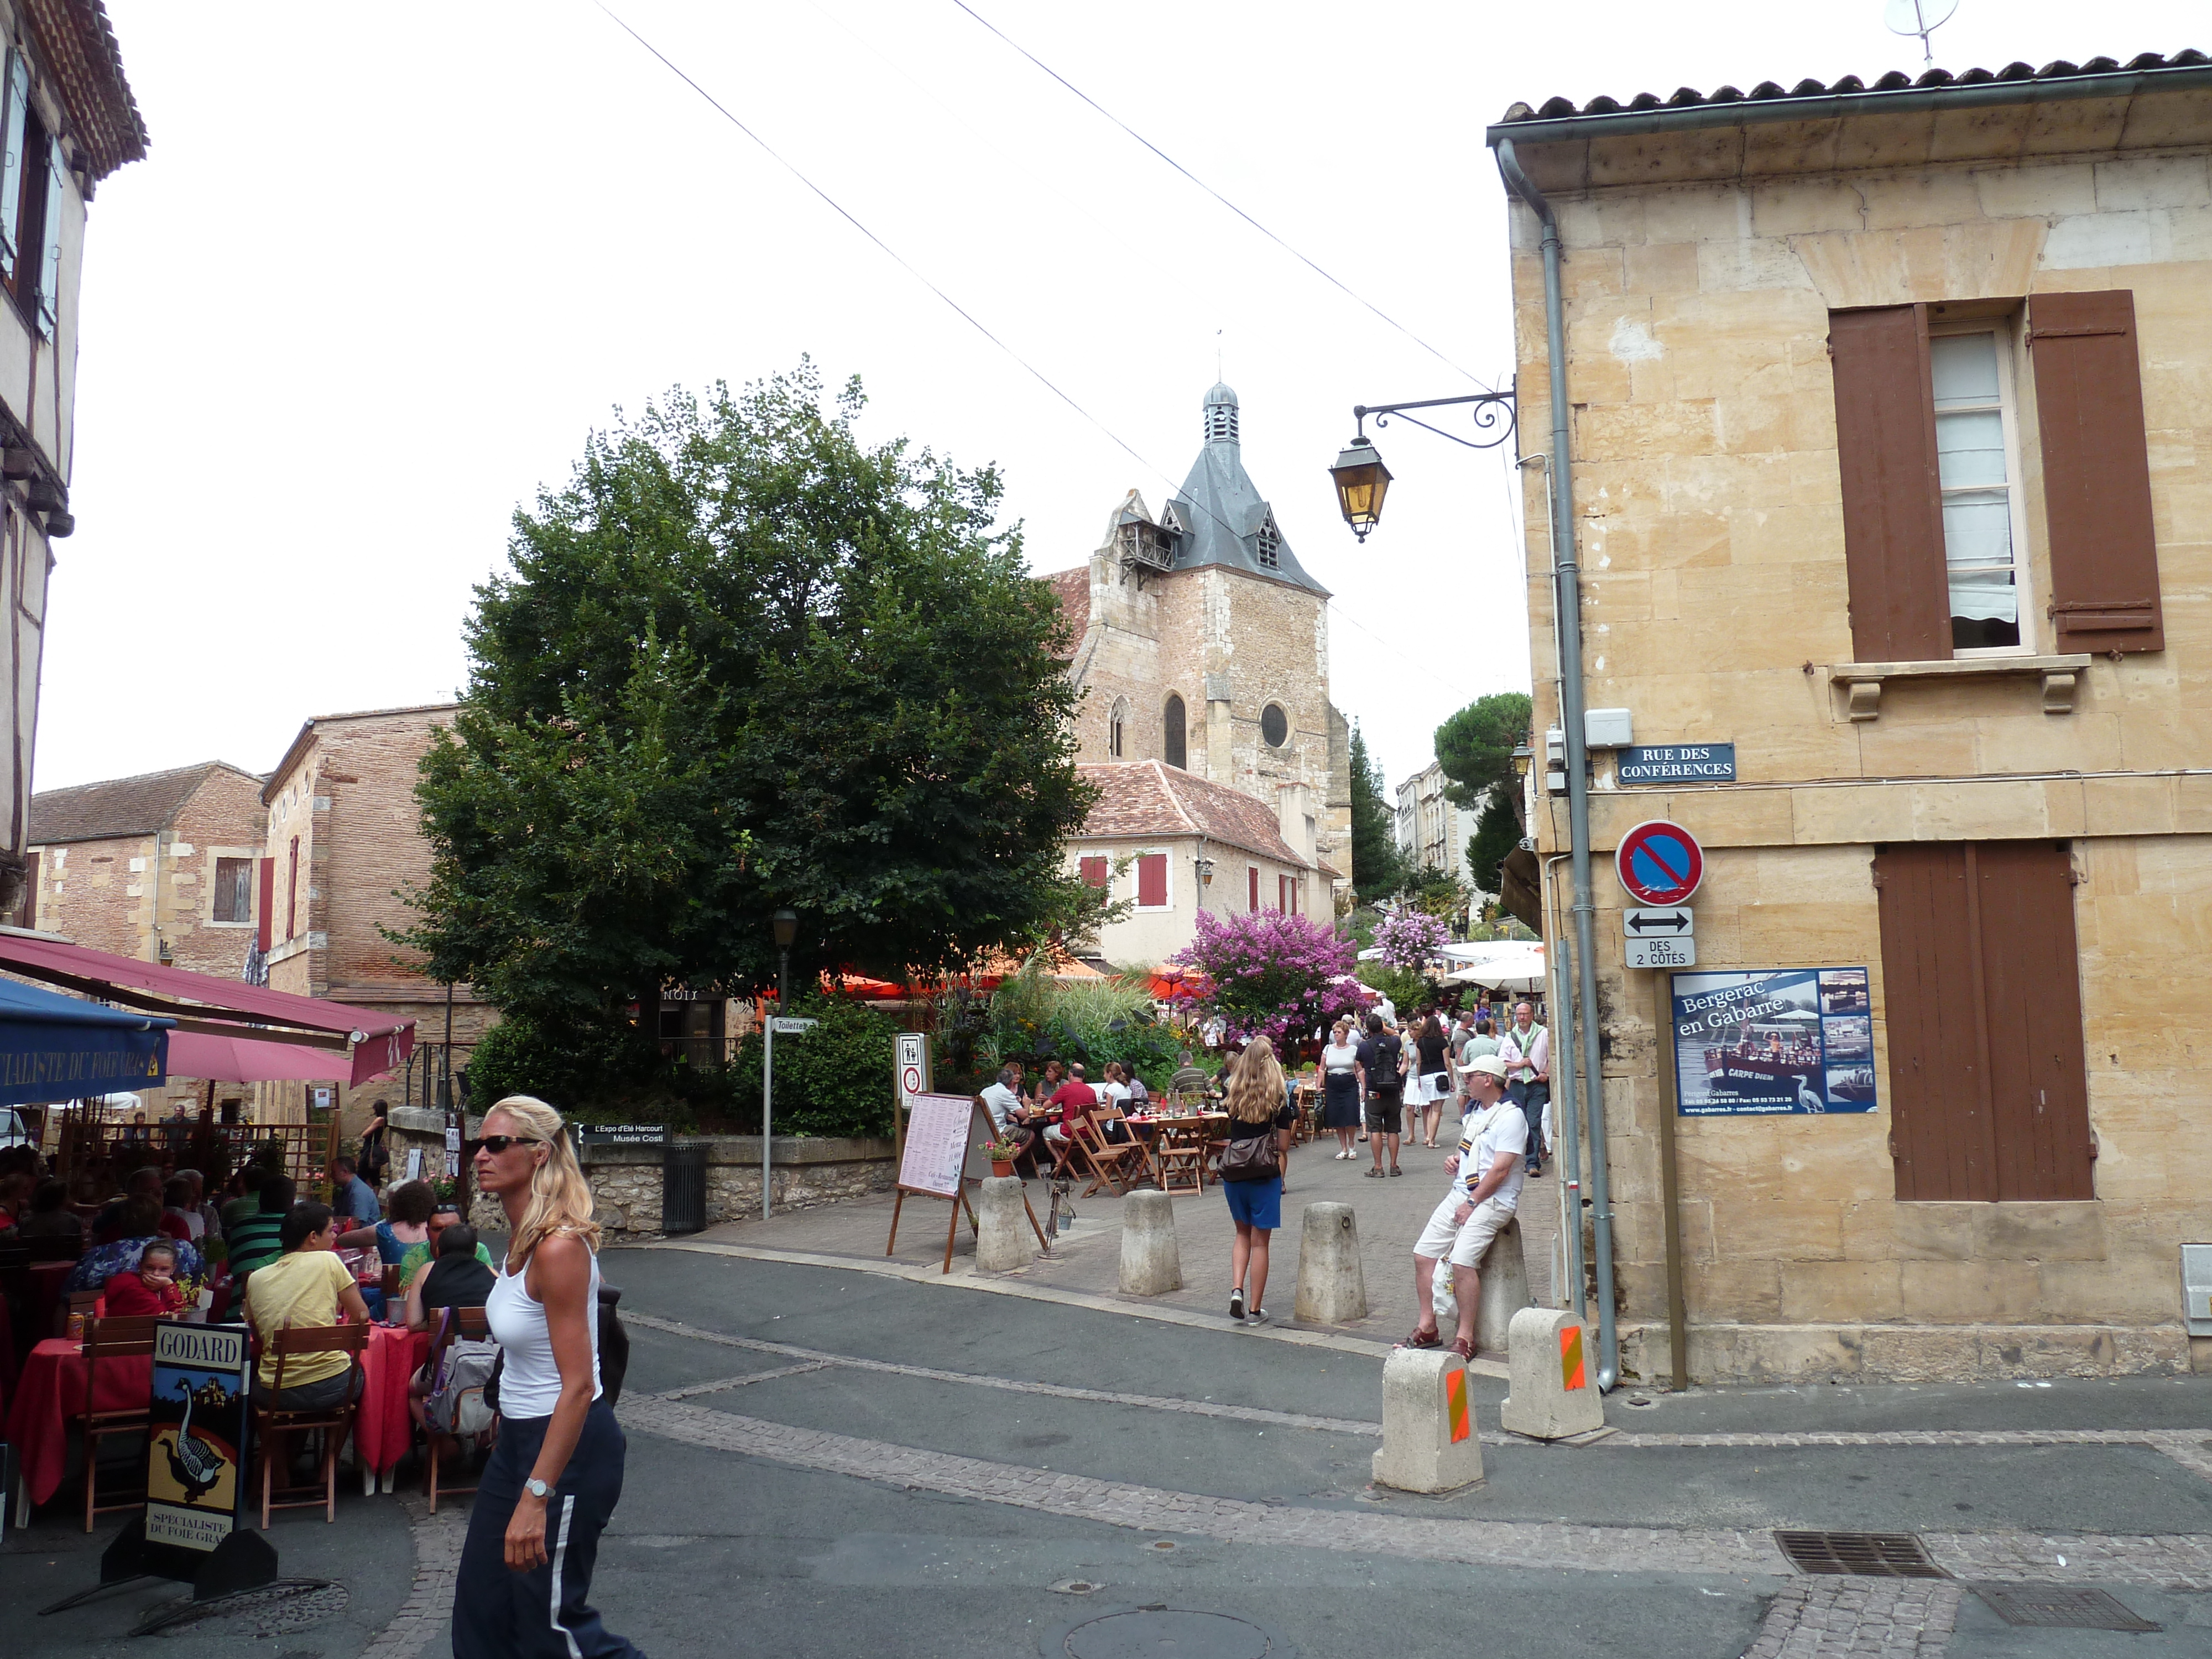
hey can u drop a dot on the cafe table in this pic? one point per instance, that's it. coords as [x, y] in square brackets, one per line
[1170, 1132]
[52, 1386]
[384, 1430]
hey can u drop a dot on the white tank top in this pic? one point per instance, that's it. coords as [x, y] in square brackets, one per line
[529, 1381]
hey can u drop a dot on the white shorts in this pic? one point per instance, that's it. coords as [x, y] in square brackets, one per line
[1464, 1243]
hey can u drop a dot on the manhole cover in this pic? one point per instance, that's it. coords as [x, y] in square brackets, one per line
[1870, 1554]
[2067, 1609]
[1168, 1634]
[278, 1609]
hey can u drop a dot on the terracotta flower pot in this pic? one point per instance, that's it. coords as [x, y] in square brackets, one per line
[1002, 1166]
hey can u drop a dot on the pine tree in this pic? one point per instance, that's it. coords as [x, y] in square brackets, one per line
[1377, 867]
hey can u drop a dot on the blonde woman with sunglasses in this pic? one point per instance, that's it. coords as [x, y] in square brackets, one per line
[556, 1472]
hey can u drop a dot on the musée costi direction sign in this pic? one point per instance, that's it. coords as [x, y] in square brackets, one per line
[1677, 762]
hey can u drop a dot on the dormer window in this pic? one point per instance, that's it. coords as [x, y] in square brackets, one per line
[1270, 543]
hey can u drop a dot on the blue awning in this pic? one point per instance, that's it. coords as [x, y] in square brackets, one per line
[57, 1047]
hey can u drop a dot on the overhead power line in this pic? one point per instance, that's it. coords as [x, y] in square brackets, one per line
[961, 312]
[1327, 276]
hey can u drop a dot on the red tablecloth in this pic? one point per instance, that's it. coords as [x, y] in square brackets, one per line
[53, 1385]
[384, 1431]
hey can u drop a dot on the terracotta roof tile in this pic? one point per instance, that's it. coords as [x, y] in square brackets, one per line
[1150, 797]
[1073, 589]
[119, 806]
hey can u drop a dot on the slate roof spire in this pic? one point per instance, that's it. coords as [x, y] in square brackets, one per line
[1229, 522]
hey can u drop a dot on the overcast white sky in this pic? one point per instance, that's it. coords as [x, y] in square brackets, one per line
[386, 267]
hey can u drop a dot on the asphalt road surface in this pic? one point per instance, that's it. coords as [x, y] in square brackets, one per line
[825, 1461]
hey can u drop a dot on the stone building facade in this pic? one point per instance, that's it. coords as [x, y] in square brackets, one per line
[343, 841]
[1173, 844]
[1890, 443]
[1200, 643]
[1433, 830]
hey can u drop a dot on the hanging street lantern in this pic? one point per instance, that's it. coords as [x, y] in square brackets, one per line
[1362, 481]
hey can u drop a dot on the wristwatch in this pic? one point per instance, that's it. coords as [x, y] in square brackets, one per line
[537, 1488]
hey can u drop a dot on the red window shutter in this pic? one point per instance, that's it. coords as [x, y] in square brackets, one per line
[1893, 502]
[1152, 878]
[1252, 881]
[268, 898]
[1094, 871]
[2096, 472]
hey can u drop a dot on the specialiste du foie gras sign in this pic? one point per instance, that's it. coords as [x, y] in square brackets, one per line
[1782, 1041]
[195, 1448]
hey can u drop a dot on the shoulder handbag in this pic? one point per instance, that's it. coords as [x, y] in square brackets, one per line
[1251, 1158]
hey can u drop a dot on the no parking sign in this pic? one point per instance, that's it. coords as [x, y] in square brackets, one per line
[1659, 862]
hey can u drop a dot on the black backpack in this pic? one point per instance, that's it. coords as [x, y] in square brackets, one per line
[614, 1352]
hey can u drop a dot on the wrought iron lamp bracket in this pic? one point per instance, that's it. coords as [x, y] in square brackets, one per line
[1490, 411]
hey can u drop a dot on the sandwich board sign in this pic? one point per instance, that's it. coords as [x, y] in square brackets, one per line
[195, 1457]
[944, 1139]
[194, 1527]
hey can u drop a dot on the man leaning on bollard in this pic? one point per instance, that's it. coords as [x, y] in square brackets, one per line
[1486, 1175]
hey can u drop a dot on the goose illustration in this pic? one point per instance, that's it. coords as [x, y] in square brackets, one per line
[196, 1465]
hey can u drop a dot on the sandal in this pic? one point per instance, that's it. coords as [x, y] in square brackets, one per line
[1421, 1338]
[1395, 1169]
[1371, 1173]
[1463, 1347]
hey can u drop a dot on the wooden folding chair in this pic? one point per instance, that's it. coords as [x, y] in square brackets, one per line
[473, 1324]
[1109, 1160]
[292, 1343]
[1178, 1162]
[105, 1342]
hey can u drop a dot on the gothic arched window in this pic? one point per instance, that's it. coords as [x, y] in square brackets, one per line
[1172, 722]
[1117, 724]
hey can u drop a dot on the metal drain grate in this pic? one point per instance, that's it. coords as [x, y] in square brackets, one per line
[1869, 1554]
[2064, 1609]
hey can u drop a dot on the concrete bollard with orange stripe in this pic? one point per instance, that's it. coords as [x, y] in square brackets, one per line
[1430, 1442]
[1554, 1378]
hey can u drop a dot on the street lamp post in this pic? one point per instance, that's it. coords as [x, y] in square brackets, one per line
[1362, 480]
[785, 922]
[785, 926]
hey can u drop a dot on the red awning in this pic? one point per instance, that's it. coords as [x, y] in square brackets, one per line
[353, 1044]
[246, 1059]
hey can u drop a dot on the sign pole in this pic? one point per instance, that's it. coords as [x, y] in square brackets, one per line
[768, 1109]
[1663, 1011]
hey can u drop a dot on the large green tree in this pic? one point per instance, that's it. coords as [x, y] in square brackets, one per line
[1474, 747]
[1377, 867]
[744, 660]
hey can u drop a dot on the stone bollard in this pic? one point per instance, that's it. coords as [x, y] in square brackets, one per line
[1429, 1441]
[1151, 1263]
[1554, 1390]
[1504, 1292]
[1332, 1288]
[1003, 1238]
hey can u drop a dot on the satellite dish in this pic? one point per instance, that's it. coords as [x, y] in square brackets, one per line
[1920, 17]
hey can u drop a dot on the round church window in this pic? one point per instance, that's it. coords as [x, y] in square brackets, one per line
[1274, 726]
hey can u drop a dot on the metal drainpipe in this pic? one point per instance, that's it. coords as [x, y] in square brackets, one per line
[1565, 1094]
[1567, 588]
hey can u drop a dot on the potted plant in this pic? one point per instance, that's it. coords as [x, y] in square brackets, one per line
[1002, 1154]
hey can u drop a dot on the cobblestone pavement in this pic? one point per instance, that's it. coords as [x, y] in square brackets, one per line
[429, 1604]
[2189, 1447]
[1085, 1259]
[1859, 1618]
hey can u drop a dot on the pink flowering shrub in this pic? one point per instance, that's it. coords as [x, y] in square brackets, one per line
[1410, 938]
[1274, 976]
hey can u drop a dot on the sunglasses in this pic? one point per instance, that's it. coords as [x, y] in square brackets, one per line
[497, 1144]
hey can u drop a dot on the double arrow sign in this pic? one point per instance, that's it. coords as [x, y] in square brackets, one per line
[1673, 921]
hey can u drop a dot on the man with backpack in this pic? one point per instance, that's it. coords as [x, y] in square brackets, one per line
[1382, 1077]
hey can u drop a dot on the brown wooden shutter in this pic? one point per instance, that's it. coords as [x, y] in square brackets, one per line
[2039, 1076]
[1941, 1130]
[1892, 501]
[1094, 871]
[1151, 879]
[2096, 472]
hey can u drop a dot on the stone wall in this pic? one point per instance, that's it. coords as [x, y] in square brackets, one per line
[1716, 606]
[626, 1181]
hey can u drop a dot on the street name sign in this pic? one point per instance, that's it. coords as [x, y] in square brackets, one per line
[1677, 762]
[1663, 952]
[1659, 864]
[1673, 921]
